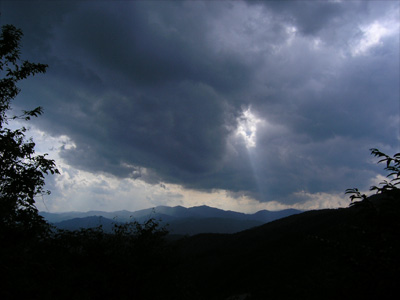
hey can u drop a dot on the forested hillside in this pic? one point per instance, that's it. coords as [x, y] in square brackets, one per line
[335, 253]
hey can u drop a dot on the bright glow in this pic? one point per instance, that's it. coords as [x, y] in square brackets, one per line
[372, 35]
[247, 128]
[291, 30]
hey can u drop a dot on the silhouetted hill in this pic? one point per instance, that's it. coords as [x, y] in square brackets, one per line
[86, 222]
[326, 254]
[348, 253]
[192, 226]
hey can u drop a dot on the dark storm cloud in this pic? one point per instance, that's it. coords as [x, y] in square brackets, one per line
[309, 16]
[150, 44]
[153, 90]
[335, 106]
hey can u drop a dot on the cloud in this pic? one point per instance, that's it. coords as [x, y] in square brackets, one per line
[310, 17]
[258, 100]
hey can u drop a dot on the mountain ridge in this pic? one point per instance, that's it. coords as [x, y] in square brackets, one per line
[179, 220]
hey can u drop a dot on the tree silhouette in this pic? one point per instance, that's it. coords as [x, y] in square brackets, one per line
[42, 262]
[22, 172]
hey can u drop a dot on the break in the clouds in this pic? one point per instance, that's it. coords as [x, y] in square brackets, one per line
[274, 101]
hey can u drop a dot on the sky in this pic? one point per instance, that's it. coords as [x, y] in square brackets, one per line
[242, 105]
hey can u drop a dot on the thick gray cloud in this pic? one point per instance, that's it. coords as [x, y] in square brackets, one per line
[162, 87]
[311, 17]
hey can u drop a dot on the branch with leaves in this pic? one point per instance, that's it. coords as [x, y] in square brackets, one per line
[393, 166]
[22, 172]
[386, 186]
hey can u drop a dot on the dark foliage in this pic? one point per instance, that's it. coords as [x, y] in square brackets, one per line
[326, 254]
[389, 188]
[129, 263]
[22, 172]
[330, 254]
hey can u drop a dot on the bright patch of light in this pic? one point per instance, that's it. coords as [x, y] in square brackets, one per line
[247, 128]
[291, 30]
[372, 35]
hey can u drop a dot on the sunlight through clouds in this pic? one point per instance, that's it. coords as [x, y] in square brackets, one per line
[235, 104]
[247, 128]
[373, 34]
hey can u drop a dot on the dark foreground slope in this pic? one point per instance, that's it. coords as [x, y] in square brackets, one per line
[342, 253]
[326, 254]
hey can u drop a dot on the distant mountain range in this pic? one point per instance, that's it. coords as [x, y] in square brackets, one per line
[344, 253]
[178, 219]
